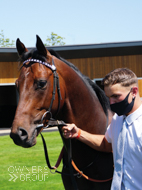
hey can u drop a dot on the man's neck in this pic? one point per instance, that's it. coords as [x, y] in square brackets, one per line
[137, 104]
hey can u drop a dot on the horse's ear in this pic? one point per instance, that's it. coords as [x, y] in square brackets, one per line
[41, 48]
[20, 47]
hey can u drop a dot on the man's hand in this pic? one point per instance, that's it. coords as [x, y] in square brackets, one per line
[70, 131]
[96, 141]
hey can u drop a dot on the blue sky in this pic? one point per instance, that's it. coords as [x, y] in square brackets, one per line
[78, 21]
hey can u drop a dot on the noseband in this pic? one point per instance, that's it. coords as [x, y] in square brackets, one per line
[55, 85]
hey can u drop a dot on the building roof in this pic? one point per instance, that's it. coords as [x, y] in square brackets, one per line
[83, 51]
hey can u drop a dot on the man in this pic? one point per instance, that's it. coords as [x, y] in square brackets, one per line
[124, 134]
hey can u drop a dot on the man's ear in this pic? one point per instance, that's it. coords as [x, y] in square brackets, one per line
[134, 91]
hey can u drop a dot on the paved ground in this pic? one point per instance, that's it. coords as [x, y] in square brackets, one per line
[6, 131]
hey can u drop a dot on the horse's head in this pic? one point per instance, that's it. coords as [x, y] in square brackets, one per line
[36, 85]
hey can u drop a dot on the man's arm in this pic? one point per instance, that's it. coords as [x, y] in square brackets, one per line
[97, 142]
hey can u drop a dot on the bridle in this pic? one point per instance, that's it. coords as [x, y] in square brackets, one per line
[55, 86]
[52, 123]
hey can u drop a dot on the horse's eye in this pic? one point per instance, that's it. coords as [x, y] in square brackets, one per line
[41, 84]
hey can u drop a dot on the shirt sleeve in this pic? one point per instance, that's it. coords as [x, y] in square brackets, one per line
[108, 134]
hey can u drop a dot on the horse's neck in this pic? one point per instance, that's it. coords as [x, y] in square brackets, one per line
[82, 106]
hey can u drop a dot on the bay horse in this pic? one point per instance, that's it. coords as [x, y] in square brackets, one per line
[81, 102]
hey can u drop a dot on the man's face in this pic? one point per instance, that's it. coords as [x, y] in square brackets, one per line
[117, 93]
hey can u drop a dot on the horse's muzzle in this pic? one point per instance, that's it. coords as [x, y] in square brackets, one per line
[20, 138]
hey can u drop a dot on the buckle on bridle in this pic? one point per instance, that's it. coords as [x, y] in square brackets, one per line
[80, 175]
[44, 115]
[54, 171]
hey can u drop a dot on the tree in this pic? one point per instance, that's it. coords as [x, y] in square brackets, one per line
[54, 40]
[5, 42]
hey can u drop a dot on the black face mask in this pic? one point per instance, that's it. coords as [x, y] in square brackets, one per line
[123, 107]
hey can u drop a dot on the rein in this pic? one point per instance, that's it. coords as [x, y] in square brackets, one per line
[79, 173]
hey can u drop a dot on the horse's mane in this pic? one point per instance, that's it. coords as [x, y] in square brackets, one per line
[99, 92]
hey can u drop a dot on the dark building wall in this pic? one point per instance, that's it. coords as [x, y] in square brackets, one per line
[8, 104]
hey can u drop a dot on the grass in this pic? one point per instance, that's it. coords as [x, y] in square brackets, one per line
[24, 169]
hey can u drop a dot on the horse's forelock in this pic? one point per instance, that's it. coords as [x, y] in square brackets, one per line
[31, 54]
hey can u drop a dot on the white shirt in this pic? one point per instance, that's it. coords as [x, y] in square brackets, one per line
[132, 163]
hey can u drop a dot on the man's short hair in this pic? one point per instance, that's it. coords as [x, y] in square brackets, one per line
[124, 76]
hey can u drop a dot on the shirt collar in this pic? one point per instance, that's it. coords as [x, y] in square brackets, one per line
[133, 116]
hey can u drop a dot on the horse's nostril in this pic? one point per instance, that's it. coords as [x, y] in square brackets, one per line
[22, 133]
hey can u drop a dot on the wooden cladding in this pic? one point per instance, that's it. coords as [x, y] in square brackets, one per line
[140, 87]
[98, 67]
[9, 72]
